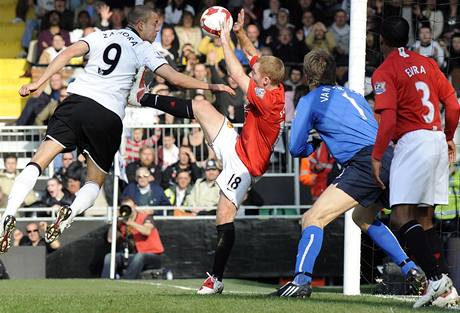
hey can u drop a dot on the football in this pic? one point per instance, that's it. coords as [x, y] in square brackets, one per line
[211, 19]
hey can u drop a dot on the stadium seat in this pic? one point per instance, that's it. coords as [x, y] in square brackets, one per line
[11, 33]
[11, 104]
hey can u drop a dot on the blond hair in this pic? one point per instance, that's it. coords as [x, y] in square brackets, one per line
[273, 68]
[319, 67]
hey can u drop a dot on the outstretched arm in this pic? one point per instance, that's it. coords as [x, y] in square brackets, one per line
[234, 67]
[246, 44]
[79, 48]
[188, 82]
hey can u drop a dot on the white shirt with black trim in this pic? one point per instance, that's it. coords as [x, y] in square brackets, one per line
[114, 58]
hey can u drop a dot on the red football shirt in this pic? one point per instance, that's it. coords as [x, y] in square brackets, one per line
[413, 86]
[264, 115]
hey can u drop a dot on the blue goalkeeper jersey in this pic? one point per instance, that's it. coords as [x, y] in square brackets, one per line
[342, 117]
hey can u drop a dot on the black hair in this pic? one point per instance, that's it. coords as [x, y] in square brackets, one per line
[395, 31]
[9, 156]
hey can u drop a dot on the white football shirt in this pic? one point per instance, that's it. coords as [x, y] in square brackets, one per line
[114, 58]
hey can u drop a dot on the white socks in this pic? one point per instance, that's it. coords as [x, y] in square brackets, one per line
[85, 198]
[23, 184]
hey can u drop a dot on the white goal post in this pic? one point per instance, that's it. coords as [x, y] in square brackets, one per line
[356, 74]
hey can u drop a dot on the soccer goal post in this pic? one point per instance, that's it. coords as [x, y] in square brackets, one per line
[356, 75]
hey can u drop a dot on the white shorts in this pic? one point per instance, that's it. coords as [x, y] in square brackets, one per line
[420, 169]
[234, 180]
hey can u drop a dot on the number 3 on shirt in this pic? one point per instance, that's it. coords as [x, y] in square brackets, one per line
[423, 87]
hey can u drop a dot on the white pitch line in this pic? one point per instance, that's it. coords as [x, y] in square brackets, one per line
[187, 288]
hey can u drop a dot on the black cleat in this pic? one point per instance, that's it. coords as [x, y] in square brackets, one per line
[294, 291]
[417, 281]
[8, 227]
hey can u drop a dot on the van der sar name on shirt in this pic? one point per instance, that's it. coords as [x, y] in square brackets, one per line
[413, 70]
[324, 96]
[124, 34]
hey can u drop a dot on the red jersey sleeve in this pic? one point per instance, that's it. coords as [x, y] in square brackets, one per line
[258, 96]
[253, 61]
[448, 98]
[384, 91]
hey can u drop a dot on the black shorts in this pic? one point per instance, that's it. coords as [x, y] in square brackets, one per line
[82, 123]
[357, 180]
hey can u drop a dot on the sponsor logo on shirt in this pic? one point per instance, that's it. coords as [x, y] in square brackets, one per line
[229, 124]
[379, 88]
[260, 92]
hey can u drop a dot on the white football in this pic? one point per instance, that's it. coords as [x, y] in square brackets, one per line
[211, 19]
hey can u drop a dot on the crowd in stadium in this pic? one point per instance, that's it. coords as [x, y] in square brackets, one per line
[178, 168]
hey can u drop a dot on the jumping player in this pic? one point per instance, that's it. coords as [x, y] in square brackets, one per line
[246, 156]
[408, 91]
[90, 119]
[345, 122]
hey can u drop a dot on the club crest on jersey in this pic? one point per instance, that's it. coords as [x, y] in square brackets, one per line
[260, 92]
[379, 88]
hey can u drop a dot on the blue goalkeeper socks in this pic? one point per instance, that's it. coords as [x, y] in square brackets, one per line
[386, 241]
[309, 247]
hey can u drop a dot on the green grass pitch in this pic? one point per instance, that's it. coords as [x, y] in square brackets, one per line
[85, 296]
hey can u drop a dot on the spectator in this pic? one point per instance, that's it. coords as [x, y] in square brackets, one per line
[300, 8]
[200, 72]
[147, 159]
[320, 38]
[169, 152]
[17, 237]
[170, 52]
[187, 162]
[46, 113]
[8, 175]
[83, 23]
[92, 7]
[181, 189]
[188, 57]
[22, 7]
[373, 56]
[67, 16]
[45, 37]
[134, 144]
[208, 45]
[35, 105]
[174, 11]
[56, 195]
[188, 32]
[282, 22]
[196, 141]
[35, 239]
[50, 53]
[269, 15]
[205, 192]
[341, 31]
[73, 185]
[428, 47]
[288, 50]
[111, 19]
[41, 8]
[308, 20]
[315, 169]
[253, 13]
[453, 61]
[430, 15]
[67, 158]
[145, 191]
[294, 80]
[140, 239]
[253, 33]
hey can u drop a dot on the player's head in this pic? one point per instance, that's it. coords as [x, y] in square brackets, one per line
[145, 21]
[319, 68]
[394, 32]
[268, 71]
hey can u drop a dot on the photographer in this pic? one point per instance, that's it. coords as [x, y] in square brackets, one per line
[138, 242]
